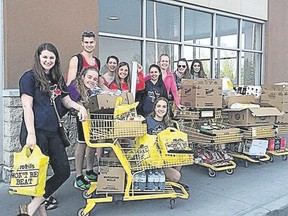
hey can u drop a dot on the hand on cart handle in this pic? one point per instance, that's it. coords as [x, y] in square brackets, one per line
[181, 107]
[82, 113]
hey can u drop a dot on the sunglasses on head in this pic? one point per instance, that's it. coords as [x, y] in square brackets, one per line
[88, 34]
[183, 66]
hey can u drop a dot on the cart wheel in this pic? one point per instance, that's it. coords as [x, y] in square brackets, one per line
[211, 173]
[284, 157]
[172, 203]
[229, 171]
[85, 194]
[272, 158]
[246, 164]
[80, 212]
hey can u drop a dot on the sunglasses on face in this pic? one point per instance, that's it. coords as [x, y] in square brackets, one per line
[88, 34]
[183, 66]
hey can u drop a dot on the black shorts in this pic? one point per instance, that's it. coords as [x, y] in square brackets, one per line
[80, 132]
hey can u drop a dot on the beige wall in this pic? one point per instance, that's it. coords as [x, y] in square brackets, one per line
[276, 69]
[251, 8]
[28, 23]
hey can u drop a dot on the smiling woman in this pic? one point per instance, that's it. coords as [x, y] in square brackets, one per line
[40, 123]
[122, 80]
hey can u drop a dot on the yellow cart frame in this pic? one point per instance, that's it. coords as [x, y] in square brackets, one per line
[281, 153]
[248, 158]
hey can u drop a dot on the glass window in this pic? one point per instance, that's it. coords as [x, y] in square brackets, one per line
[125, 50]
[251, 35]
[226, 65]
[198, 27]
[163, 21]
[226, 32]
[154, 50]
[250, 68]
[204, 54]
[120, 17]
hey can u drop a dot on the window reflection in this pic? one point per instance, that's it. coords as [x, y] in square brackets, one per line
[198, 27]
[226, 65]
[125, 50]
[226, 32]
[250, 68]
[154, 50]
[163, 21]
[163, 35]
[251, 35]
[120, 17]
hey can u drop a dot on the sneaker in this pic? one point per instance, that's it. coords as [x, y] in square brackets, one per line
[91, 175]
[51, 203]
[81, 183]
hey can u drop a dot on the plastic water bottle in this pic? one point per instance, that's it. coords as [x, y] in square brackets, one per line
[136, 182]
[162, 180]
[142, 181]
[150, 180]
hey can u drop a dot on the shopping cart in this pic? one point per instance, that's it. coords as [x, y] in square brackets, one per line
[213, 139]
[104, 127]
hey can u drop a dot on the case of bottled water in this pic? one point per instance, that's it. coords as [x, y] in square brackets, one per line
[139, 181]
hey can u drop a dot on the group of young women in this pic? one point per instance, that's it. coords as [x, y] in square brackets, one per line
[39, 126]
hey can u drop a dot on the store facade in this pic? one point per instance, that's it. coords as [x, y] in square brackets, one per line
[230, 39]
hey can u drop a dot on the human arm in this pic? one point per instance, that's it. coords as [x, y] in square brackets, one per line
[147, 77]
[140, 79]
[27, 104]
[173, 88]
[102, 84]
[72, 71]
[68, 103]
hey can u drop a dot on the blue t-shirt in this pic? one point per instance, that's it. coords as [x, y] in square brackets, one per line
[44, 114]
[154, 126]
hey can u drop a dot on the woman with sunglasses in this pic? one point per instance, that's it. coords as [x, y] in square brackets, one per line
[182, 72]
[197, 70]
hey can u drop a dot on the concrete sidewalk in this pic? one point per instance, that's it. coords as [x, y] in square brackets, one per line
[254, 191]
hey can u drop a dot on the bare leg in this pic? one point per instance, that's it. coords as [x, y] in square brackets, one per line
[34, 205]
[172, 174]
[99, 154]
[79, 158]
[90, 155]
[41, 210]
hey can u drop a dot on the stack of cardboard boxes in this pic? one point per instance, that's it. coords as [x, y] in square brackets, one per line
[276, 96]
[255, 119]
[201, 93]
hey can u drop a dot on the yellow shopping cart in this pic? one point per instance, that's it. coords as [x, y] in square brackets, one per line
[104, 127]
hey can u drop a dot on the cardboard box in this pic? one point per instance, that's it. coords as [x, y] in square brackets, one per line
[244, 99]
[255, 147]
[253, 116]
[201, 93]
[283, 118]
[106, 101]
[276, 96]
[111, 176]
